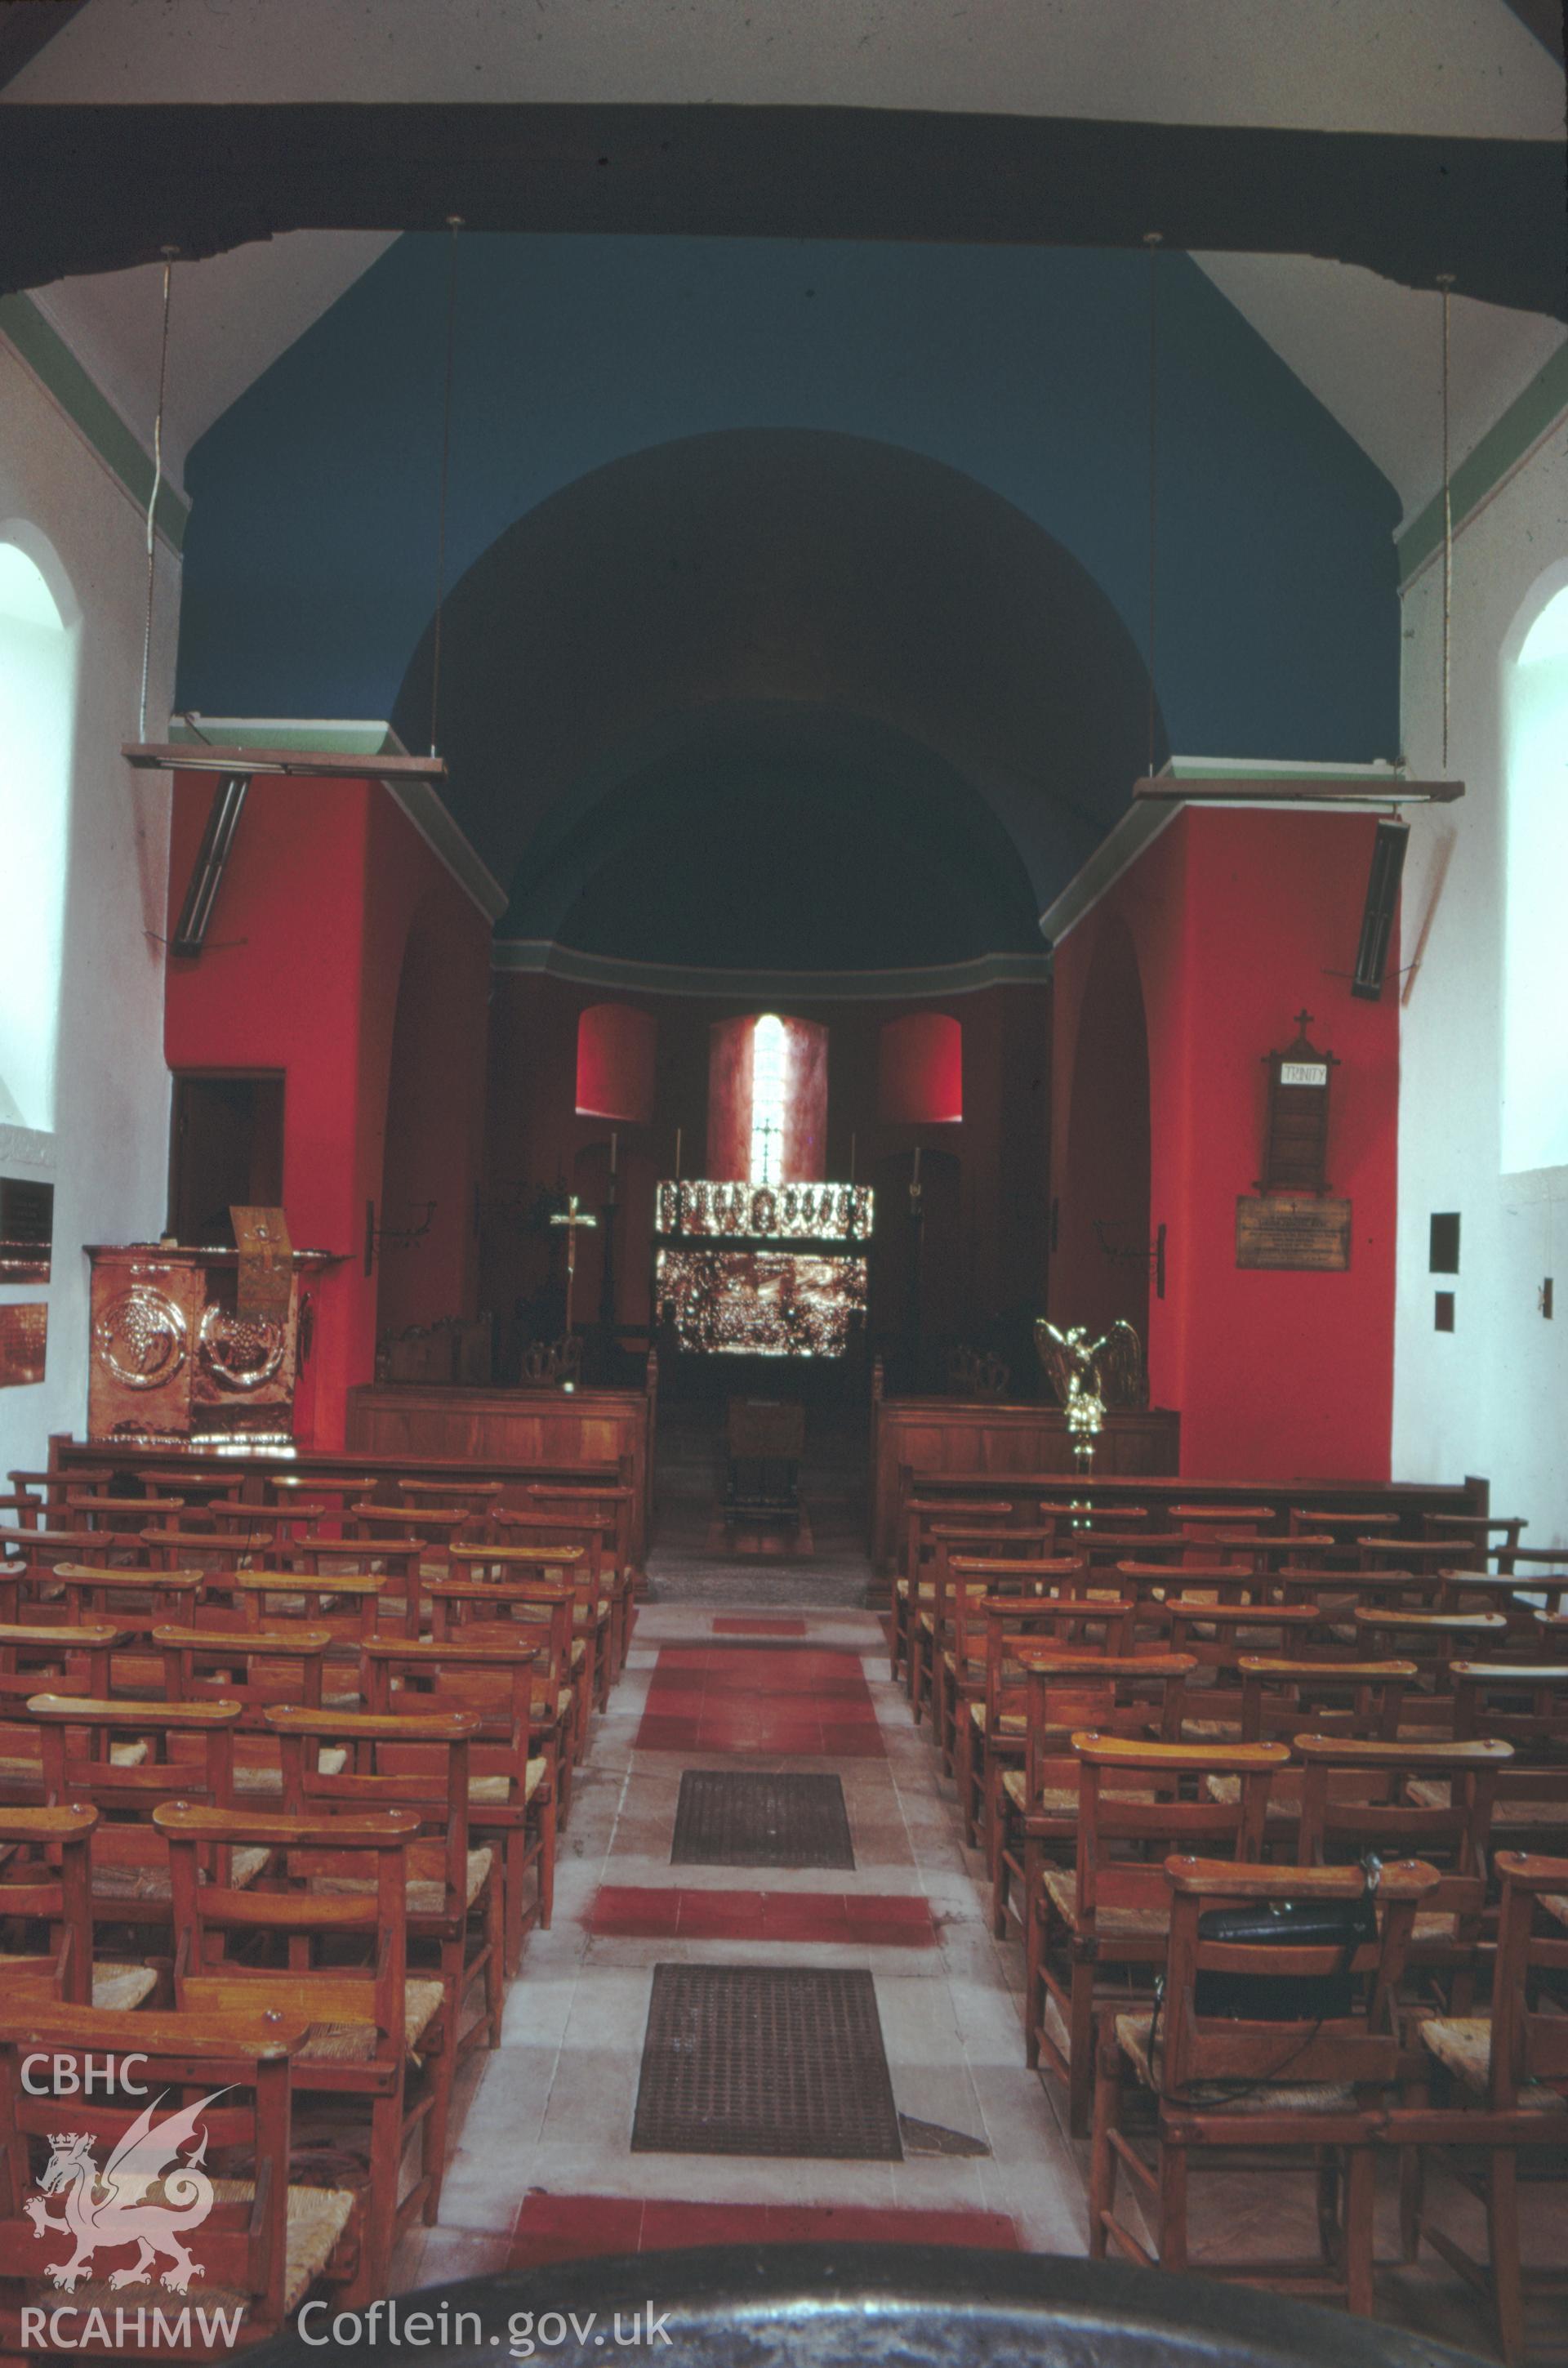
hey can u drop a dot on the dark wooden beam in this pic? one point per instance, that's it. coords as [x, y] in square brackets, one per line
[86, 188]
[26, 25]
[208, 756]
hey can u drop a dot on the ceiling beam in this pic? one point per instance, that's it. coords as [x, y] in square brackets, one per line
[1544, 19]
[24, 30]
[86, 188]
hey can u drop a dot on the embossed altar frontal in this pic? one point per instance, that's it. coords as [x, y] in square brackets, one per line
[1290, 1230]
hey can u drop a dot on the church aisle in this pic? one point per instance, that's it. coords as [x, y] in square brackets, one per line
[545, 2168]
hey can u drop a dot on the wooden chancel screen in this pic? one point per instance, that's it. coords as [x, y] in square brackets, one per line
[763, 1256]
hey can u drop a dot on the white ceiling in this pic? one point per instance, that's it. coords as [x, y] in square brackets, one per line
[1368, 349]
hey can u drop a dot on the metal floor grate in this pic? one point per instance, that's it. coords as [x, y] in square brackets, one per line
[760, 1820]
[751, 2060]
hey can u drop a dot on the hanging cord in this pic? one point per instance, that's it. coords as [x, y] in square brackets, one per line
[1446, 282]
[169, 254]
[1152, 241]
[454, 223]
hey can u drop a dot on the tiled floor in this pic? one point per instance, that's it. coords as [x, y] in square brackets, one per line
[543, 2169]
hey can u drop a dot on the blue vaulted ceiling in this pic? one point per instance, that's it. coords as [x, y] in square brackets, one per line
[755, 540]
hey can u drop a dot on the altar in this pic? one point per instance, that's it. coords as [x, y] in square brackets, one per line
[762, 1269]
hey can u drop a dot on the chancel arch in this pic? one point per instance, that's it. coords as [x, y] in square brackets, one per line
[1102, 1267]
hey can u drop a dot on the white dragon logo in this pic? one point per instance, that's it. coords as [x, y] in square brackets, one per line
[112, 2207]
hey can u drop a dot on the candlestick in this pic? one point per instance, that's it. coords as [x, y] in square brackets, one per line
[614, 1146]
[915, 1177]
[852, 1140]
[678, 1154]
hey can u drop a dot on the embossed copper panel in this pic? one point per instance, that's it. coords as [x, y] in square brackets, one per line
[759, 2060]
[760, 1820]
[24, 1337]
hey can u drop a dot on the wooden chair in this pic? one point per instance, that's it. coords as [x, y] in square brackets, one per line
[125, 1757]
[1108, 1912]
[1479, 1530]
[966, 1582]
[511, 1562]
[511, 1799]
[1290, 2095]
[1020, 1612]
[931, 1625]
[259, 1669]
[614, 1507]
[1431, 1799]
[1133, 1694]
[88, 1509]
[1527, 1707]
[919, 1512]
[324, 1944]
[136, 1600]
[1282, 1696]
[1218, 1636]
[1432, 1638]
[537, 1612]
[596, 1621]
[46, 1878]
[453, 1894]
[1503, 2088]
[349, 1605]
[261, 2249]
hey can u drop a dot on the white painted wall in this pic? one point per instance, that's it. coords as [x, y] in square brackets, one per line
[1493, 1396]
[108, 1153]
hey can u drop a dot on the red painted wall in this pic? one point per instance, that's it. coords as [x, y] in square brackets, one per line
[1237, 921]
[328, 887]
[921, 1070]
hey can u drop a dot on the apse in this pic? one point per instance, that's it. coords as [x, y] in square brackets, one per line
[690, 696]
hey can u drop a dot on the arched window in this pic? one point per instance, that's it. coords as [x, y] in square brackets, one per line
[1535, 1036]
[37, 690]
[920, 1071]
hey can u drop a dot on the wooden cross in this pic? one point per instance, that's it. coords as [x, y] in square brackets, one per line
[572, 1216]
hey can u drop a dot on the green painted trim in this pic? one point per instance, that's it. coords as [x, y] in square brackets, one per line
[85, 403]
[1510, 438]
[542, 956]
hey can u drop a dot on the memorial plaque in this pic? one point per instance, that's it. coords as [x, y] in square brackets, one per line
[27, 1229]
[1288, 1230]
[24, 1334]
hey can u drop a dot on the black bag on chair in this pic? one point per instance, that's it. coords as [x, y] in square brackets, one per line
[1346, 1924]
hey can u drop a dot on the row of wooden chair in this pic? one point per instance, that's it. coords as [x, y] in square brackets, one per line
[1145, 1725]
[300, 1804]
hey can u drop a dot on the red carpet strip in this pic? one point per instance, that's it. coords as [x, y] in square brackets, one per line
[786, 1702]
[862, 1919]
[566, 2227]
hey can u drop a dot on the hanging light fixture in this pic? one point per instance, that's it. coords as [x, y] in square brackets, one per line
[1152, 241]
[454, 225]
[169, 254]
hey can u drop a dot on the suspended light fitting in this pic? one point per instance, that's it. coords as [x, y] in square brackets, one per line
[169, 254]
[454, 223]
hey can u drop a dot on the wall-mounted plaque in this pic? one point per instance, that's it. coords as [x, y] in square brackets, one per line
[1285, 1229]
[27, 1229]
[24, 1338]
[1295, 1140]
